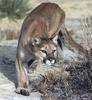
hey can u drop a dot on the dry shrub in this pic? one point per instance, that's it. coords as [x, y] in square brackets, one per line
[55, 86]
[52, 83]
[80, 77]
[86, 24]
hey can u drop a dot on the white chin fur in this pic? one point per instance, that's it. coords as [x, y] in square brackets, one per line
[53, 61]
[50, 62]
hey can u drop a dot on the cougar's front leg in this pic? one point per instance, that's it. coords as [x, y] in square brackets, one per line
[22, 80]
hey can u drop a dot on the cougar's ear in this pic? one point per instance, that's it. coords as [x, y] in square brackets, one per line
[36, 41]
[55, 39]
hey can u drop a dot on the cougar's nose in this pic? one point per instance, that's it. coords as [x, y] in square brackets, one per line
[50, 58]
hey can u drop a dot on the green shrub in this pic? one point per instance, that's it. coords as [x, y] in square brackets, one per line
[14, 9]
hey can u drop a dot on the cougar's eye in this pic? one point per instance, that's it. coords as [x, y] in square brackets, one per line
[36, 41]
[44, 51]
[53, 51]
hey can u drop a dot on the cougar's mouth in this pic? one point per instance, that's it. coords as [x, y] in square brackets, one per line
[49, 61]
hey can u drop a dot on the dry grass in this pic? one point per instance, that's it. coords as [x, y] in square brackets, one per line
[86, 24]
[51, 82]
[55, 86]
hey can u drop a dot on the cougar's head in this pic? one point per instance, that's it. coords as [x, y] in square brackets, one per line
[46, 50]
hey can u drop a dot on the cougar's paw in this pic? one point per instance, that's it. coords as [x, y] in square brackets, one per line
[22, 91]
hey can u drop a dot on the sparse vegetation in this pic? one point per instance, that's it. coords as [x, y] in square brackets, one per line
[86, 24]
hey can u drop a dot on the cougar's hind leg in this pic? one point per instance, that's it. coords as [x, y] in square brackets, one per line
[60, 40]
[60, 47]
[22, 83]
[71, 44]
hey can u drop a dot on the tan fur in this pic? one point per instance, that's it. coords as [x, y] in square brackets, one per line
[44, 22]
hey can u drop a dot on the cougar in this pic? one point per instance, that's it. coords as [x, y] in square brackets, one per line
[44, 22]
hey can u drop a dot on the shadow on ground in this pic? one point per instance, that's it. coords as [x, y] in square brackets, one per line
[7, 62]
